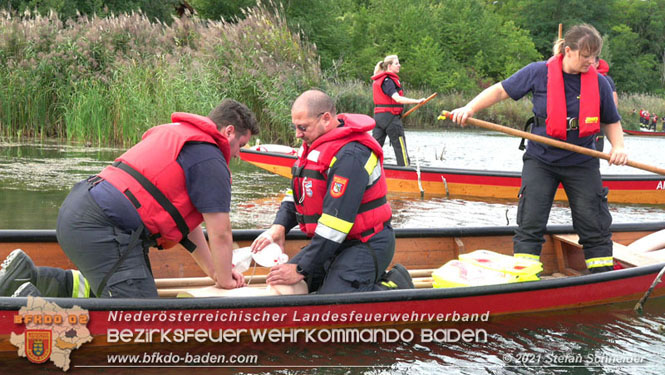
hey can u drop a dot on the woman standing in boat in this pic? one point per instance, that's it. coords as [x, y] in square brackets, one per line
[570, 101]
[388, 106]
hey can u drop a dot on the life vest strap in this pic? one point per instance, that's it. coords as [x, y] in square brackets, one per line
[161, 199]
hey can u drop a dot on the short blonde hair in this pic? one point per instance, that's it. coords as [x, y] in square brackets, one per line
[383, 65]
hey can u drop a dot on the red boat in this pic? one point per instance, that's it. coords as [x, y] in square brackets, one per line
[644, 132]
[640, 189]
[172, 324]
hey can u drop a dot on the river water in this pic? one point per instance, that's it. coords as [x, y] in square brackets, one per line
[36, 177]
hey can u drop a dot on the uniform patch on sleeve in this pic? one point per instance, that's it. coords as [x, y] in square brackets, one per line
[338, 186]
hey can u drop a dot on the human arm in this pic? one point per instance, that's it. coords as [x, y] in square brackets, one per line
[220, 238]
[390, 88]
[486, 98]
[208, 185]
[404, 100]
[285, 220]
[338, 214]
[614, 134]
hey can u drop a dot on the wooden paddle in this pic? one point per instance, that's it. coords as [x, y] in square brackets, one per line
[419, 105]
[552, 142]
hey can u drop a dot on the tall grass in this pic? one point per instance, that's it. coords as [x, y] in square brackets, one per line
[107, 80]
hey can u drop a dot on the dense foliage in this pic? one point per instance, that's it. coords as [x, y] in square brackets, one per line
[109, 79]
[105, 70]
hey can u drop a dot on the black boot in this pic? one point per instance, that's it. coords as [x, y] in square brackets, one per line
[397, 278]
[16, 270]
[27, 290]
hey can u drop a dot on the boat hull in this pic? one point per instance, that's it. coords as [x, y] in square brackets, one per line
[196, 324]
[633, 189]
[644, 132]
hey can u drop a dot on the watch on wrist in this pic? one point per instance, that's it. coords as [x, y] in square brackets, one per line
[300, 270]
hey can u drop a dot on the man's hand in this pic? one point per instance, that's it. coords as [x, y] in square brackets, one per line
[284, 274]
[276, 233]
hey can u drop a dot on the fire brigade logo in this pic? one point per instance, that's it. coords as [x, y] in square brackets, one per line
[38, 345]
[338, 186]
[308, 188]
[51, 332]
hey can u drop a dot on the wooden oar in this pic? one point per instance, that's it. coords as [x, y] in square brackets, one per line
[419, 105]
[553, 142]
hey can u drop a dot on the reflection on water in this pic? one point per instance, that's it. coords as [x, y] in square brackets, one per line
[34, 179]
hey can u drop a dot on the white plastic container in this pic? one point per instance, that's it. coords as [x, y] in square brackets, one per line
[269, 256]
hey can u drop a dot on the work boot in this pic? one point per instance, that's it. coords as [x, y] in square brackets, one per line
[397, 278]
[16, 269]
[27, 290]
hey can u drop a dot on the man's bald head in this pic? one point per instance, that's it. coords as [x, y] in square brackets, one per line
[315, 102]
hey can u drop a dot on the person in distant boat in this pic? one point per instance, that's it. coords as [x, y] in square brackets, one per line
[389, 105]
[338, 199]
[654, 121]
[570, 102]
[602, 67]
[647, 120]
[157, 194]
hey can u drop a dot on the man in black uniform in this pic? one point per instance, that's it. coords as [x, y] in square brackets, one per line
[339, 201]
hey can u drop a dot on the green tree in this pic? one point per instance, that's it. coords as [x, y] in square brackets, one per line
[632, 69]
[542, 17]
[154, 10]
[216, 10]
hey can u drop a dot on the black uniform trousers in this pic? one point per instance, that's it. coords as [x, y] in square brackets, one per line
[391, 125]
[588, 204]
[95, 244]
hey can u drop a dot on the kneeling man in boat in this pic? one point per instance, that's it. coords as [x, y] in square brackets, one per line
[156, 194]
[339, 200]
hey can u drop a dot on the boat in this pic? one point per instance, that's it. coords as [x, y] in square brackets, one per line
[564, 285]
[644, 132]
[450, 182]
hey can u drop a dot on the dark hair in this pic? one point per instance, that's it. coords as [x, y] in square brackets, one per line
[231, 112]
[584, 38]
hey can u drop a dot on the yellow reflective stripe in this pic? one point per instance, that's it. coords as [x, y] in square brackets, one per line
[527, 256]
[335, 223]
[81, 287]
[333, 161]
[406, 158]
[600, 262]
[371, 163]
[289, 196]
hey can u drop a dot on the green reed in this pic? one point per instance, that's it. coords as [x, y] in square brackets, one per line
[107, 80]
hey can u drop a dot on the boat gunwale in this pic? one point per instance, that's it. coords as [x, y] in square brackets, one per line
[472, 172]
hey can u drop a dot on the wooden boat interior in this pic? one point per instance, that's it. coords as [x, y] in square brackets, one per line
[420, 251]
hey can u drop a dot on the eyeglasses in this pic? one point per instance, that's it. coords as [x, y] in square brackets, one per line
[303, 128]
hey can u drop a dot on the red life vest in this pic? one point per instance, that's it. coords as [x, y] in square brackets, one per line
[310, 177]
[589, 114]
[603, 67]
[383, 102]
[168, 212]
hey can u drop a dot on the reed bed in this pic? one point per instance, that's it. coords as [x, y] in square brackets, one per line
[107, 80]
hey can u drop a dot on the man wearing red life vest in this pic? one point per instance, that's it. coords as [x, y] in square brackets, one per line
[338, 200]
[570, 102]
[155, 194]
